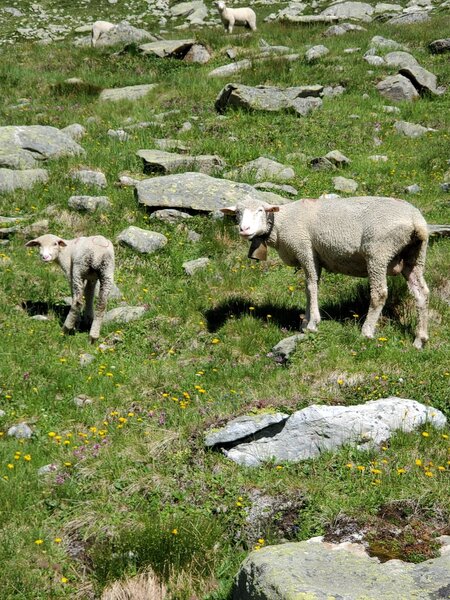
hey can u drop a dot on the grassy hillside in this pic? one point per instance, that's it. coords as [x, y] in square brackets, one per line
[135, 486]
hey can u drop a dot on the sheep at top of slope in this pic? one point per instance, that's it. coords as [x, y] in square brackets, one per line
[98, 29]
[236, 16]
[84, 260]
[363, 236]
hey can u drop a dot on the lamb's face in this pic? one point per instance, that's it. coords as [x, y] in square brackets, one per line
[49, 246]
[220, 5]
[251, 216]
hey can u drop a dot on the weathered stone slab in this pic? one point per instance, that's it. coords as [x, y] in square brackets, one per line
[124, 314]
[191, 266]
[423, 80]
[26, 146]
[318, 428]
[124, 33]
[243, 427]
[158, 161]
[263, 168]
[316, 52]
[168, 48]
[412, 130]
[282, 351]
[341, 29]
[130, 92]
[317, 570]
[308, 19]
[231, 69]
[397, 88]
[11, 180]
[89, 203]
[400, 59]
[410, 19]
[142, 240]
[197, 192]
[360, 11]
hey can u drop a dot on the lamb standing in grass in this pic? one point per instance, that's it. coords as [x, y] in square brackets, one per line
[98, 29]
[236, 16]
[84, 260]
[365, 237]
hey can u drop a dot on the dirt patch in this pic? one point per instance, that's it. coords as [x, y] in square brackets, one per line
[400, 530]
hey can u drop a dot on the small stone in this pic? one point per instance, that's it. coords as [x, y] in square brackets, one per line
[191, 266]
[86, 359]
[342, 184]
[321, 164]
[413, 189]
[304, 106]
[76, 131]
[82, 400]
[411, 130]
[46, 469]
[193, 236]
[378, 158]
[124, 314]
[89, 203]
[445, 187]
[89, 177]
[391, 109]
[337, 158]
[119, 134]
[268, 186]
[187, 126]
[170, 215]
[20, 431]
[282, 351]
[374, 61]
[316, 52]
[142, 240]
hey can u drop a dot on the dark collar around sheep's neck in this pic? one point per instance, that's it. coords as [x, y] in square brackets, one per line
[258, 246]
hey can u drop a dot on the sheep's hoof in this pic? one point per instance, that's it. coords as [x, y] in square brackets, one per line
[67, 330]
[92, 339]
[419, 343]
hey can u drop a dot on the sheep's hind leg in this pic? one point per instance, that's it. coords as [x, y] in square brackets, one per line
[312, 317]
[105, 287]
[77, 301]
[378, 295]
[89, 293]
[419, 289]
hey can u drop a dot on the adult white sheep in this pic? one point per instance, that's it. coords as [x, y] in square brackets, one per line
[364, 236]
[84, 260]
[236, 16]
[98, 29]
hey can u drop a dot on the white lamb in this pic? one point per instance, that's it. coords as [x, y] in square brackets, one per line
[98, 29]
[365, 237]
[84, 260]
[236, 16]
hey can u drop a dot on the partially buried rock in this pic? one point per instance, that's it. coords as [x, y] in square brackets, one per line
[231, 69]
[342, 184]
[82, 400]
[341, 29]
[119, 134]
[359, 11]
[440, 46]
[400, 59]
[158, 161]
[413, 189]
[191, 266]
[142, 240]
[168, 48]
[337, 158]
[321, 164]
[263, 168]
[24, 179]
[397, 88]
[89, 203]
[171, 145]
[268, 186]
[197, 54]
[282, 351]
[316, 52]
[411, 130]
[89, 177]
[124, 33]
[411, 18]
[131, 92]
[170, 215]
[20, 431]
[423, 80]
[124, 314]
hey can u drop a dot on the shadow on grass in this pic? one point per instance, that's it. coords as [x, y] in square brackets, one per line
[342, 309]
[60, 311]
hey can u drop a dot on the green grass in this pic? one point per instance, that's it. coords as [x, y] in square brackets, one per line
[132, 465]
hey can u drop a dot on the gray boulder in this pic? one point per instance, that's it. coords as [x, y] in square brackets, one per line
[168, 48]
[196, 191]
[397, 89]
[191, 266]
[268, 186]
[171, 145]
[341, 29]
[124, 33]
[360, 11]
[243, 427]
[20, 431]
[89, 177]
[158, 161]
[130, 92]
[309, 19]
[197, 54]
[423, 80]
[282, 351]
[26, 146]
[24, 179]
[374, 61]
[124, 314]
[440, 46]
[89, 203]
[386, 9]
[317, 570]
[320, 428]
[316, 52]
[263, 168]
[75, 131]
[411, 130]
[400, 59]
[184, 9]
[231, 69]
[342, 184]
[170, 215]
[142, 240]
[337, 158]
[410, 19]
[379, 41]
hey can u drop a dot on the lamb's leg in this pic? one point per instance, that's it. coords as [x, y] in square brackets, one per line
[77, 301]
[312, 317]
[378, 295]
[230, 26]
[105, 287]
[419, 289]
[89, 293]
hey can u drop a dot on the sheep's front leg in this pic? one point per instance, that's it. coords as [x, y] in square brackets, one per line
[105, 287]
[312, 317]
[77, 301]
[378, 295]
[230, 26]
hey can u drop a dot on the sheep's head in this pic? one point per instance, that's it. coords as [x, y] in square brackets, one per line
[255, 221]
[220, 5]
[49, 246]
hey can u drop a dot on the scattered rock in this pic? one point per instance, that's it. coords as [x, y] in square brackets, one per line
[89, 177]
[282, 351]
[89, 203]
[378, 158]
[413, 189]
[171, 145]
[20, 431]
[86, 359]
[387, 10]
[316, 52]
[397, 88]
[11, 180]
[337, 158]
[391, 109]
[142, 240]
[374, 61]
[304, 106]
[124, 33]
[197, 54]
[272, 573]
[400, 59]
[342, 184]
[119, 134]
[75, 131]
[47, 469]
[243, 427]
[411, 130]
[168, 48]
[124, 314]
[191, 266]
[423, 80]
[379, 41]
[341, 29]
[410, 19]
[309, 19]
[321, 164]
[130, 92]
[82, 400]
[170, 215]
[193, 236]
[158, 161]
[231, 69]
[263, 168]
[440, 46]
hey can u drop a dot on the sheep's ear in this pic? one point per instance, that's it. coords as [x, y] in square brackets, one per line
[62, 243]
[229, 210]
[32, 243]
[272, 209]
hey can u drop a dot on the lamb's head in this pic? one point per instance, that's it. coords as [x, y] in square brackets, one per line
[49, 246]
[253, 217]
[220, 5]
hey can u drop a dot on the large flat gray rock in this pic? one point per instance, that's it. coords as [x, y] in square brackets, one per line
[130, 92]
[242, 427]
[320, 428]
[400, 59]
[308, 19]
[142, 240]
[263, 168]
[317, 570]
[410, 19]
[24, 179]
[124, 33]
[398, 89]
[168, 48]
[360, 11]
[159, 161]
[264, 98]
[198, 192]
[423, 80]
[26, 146]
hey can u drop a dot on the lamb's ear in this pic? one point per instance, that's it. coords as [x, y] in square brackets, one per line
[229, 210]
[272, 209]
[62, 243]
[32, 243]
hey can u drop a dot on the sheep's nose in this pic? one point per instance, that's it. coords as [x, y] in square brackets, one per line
[244, 228]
